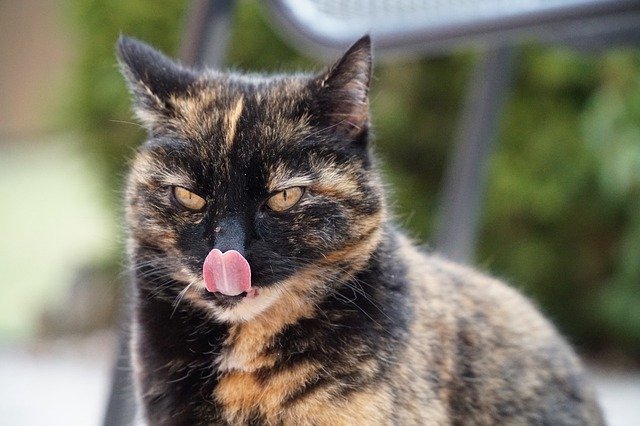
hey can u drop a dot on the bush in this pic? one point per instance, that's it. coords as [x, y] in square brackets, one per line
[100, 107]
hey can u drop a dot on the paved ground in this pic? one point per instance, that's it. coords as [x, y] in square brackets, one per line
[66, 384]
[619, 393]
[55, 385]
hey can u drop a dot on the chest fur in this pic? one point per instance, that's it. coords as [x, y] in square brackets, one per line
[298, 395]
[261, 379]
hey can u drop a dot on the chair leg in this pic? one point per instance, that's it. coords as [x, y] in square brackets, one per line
[464, 182]
[121, 407]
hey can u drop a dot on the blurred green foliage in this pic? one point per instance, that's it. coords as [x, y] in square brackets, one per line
[562, 212]
[99, 104]
[611, 124]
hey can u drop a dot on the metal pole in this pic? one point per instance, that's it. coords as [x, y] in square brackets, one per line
[207, 33]
[121, 408]
[464, 181]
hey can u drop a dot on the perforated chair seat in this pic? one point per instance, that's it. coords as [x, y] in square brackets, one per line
[431, 25]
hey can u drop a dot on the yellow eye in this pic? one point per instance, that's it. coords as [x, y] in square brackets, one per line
[188, 199]
[285, 199]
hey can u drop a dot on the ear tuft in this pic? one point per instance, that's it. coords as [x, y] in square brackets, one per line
[343, 91]
[152, 78]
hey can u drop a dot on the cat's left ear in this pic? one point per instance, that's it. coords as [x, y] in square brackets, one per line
[153, 80]
[342, 92]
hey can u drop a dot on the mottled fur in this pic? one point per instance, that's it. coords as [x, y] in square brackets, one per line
[352, 323]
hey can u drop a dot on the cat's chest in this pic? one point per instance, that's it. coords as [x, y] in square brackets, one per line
[244, 356]
[260, 344]
[301, 394]
[253, 383]
[266, 394]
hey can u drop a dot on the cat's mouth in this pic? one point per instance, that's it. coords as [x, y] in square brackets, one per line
[227, 274]
[225, 297]
[227, 302]
[251, 294]
[227, 278]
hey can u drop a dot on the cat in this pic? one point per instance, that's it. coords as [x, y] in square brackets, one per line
[272, 286]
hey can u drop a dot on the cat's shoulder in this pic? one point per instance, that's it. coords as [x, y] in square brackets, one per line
[440, 285]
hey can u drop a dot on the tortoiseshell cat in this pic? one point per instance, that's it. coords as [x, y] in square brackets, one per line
[273, 288]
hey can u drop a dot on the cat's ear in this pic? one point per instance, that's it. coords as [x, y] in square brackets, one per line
[342, 92]
[153, 80]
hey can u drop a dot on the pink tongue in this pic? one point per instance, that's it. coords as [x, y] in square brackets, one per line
[227, 273]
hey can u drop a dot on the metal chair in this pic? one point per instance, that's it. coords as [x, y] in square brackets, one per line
[323, 28]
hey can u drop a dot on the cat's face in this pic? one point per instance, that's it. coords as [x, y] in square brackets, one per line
[276, 168]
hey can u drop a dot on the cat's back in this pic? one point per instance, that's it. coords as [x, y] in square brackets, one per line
[481, 352]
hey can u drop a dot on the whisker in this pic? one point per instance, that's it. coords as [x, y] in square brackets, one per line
[127, 122]
[181, 295]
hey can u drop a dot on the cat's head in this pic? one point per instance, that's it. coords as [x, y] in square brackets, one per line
[277, 168]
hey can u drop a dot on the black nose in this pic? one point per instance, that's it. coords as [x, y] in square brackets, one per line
[230, 235]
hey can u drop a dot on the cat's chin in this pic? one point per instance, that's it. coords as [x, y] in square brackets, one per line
[228, 300]
[243, 307]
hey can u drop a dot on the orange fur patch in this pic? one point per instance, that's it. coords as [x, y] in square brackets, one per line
[232, 120]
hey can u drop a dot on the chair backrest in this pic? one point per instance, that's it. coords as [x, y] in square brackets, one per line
[428, 26]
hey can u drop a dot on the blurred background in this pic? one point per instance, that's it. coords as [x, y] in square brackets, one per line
[561, 218]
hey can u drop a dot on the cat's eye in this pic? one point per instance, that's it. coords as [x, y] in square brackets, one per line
[285, 199]
[188, 199]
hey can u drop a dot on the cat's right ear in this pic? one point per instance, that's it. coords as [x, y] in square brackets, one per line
[153, 79]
